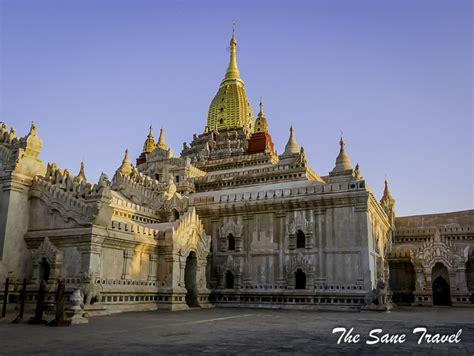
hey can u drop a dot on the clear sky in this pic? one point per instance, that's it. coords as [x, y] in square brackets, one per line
[395, 76]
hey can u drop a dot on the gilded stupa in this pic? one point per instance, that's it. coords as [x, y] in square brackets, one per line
[231, 108]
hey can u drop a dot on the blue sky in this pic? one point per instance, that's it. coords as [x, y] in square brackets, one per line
[394, 76]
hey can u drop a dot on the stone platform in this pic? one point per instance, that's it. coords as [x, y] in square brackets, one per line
[240, 331]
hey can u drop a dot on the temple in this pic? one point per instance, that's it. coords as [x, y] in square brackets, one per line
[228, 221]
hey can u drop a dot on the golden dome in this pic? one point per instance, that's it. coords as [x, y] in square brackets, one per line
[230, 108]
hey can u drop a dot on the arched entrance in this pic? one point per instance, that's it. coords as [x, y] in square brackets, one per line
[300, 279]
[229, 280]
[190, 272]
[441, 288]
[44, 270]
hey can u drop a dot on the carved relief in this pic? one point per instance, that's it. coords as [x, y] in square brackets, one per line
[299, 223]
[444, 251]
[299, 261]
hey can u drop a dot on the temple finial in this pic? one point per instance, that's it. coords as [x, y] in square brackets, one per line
[232, 72]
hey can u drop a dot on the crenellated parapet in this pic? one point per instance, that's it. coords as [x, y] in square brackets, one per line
[7, 137]
[139, 188]
[20, 154]
[71, 196]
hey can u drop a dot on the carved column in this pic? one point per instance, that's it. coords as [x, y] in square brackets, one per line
[223, 243]
[461, 279]
[291, 280]
[238, 280]
[238, 243]
[310, 280]
[318, 217]
[281, 248]
[309, 240]
[153, 267]
[127, 262]
[221, 278]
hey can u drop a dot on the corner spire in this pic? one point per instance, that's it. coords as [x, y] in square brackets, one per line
[261, 124]
[232, 72]
[386, 192]
[388, 203]
[342, 161]
[161, 140]
[292, 147]
[126, 167]
[81, 175]
[149, 142]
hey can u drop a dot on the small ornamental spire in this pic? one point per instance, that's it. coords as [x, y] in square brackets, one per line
[342, 161]
[126, 167]
[261, 124]
[81, 175]
[357, 172]
[292, 147]
[161, 140]
[386, 194]
[150, 142]
[33, 129]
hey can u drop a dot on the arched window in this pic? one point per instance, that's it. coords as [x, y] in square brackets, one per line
[229, 280]
[231, 242]
[300, 239]
[300, 279]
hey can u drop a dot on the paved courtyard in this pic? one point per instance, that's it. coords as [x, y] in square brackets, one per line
[242, 331]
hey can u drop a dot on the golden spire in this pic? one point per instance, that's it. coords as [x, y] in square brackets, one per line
[292, 146]
[342, 161]
[232, 72]
[230, 108]
[261, 124]
[126, 167]
[81, 175]
[161, 140]
[150, 142]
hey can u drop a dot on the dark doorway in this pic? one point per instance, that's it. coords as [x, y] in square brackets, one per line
[441, 293]
[175, 215]
[44, 270]
[300, 279]
[300, 239]
[229, 280]
[231, 242]
[190, 280]
[402, 282]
